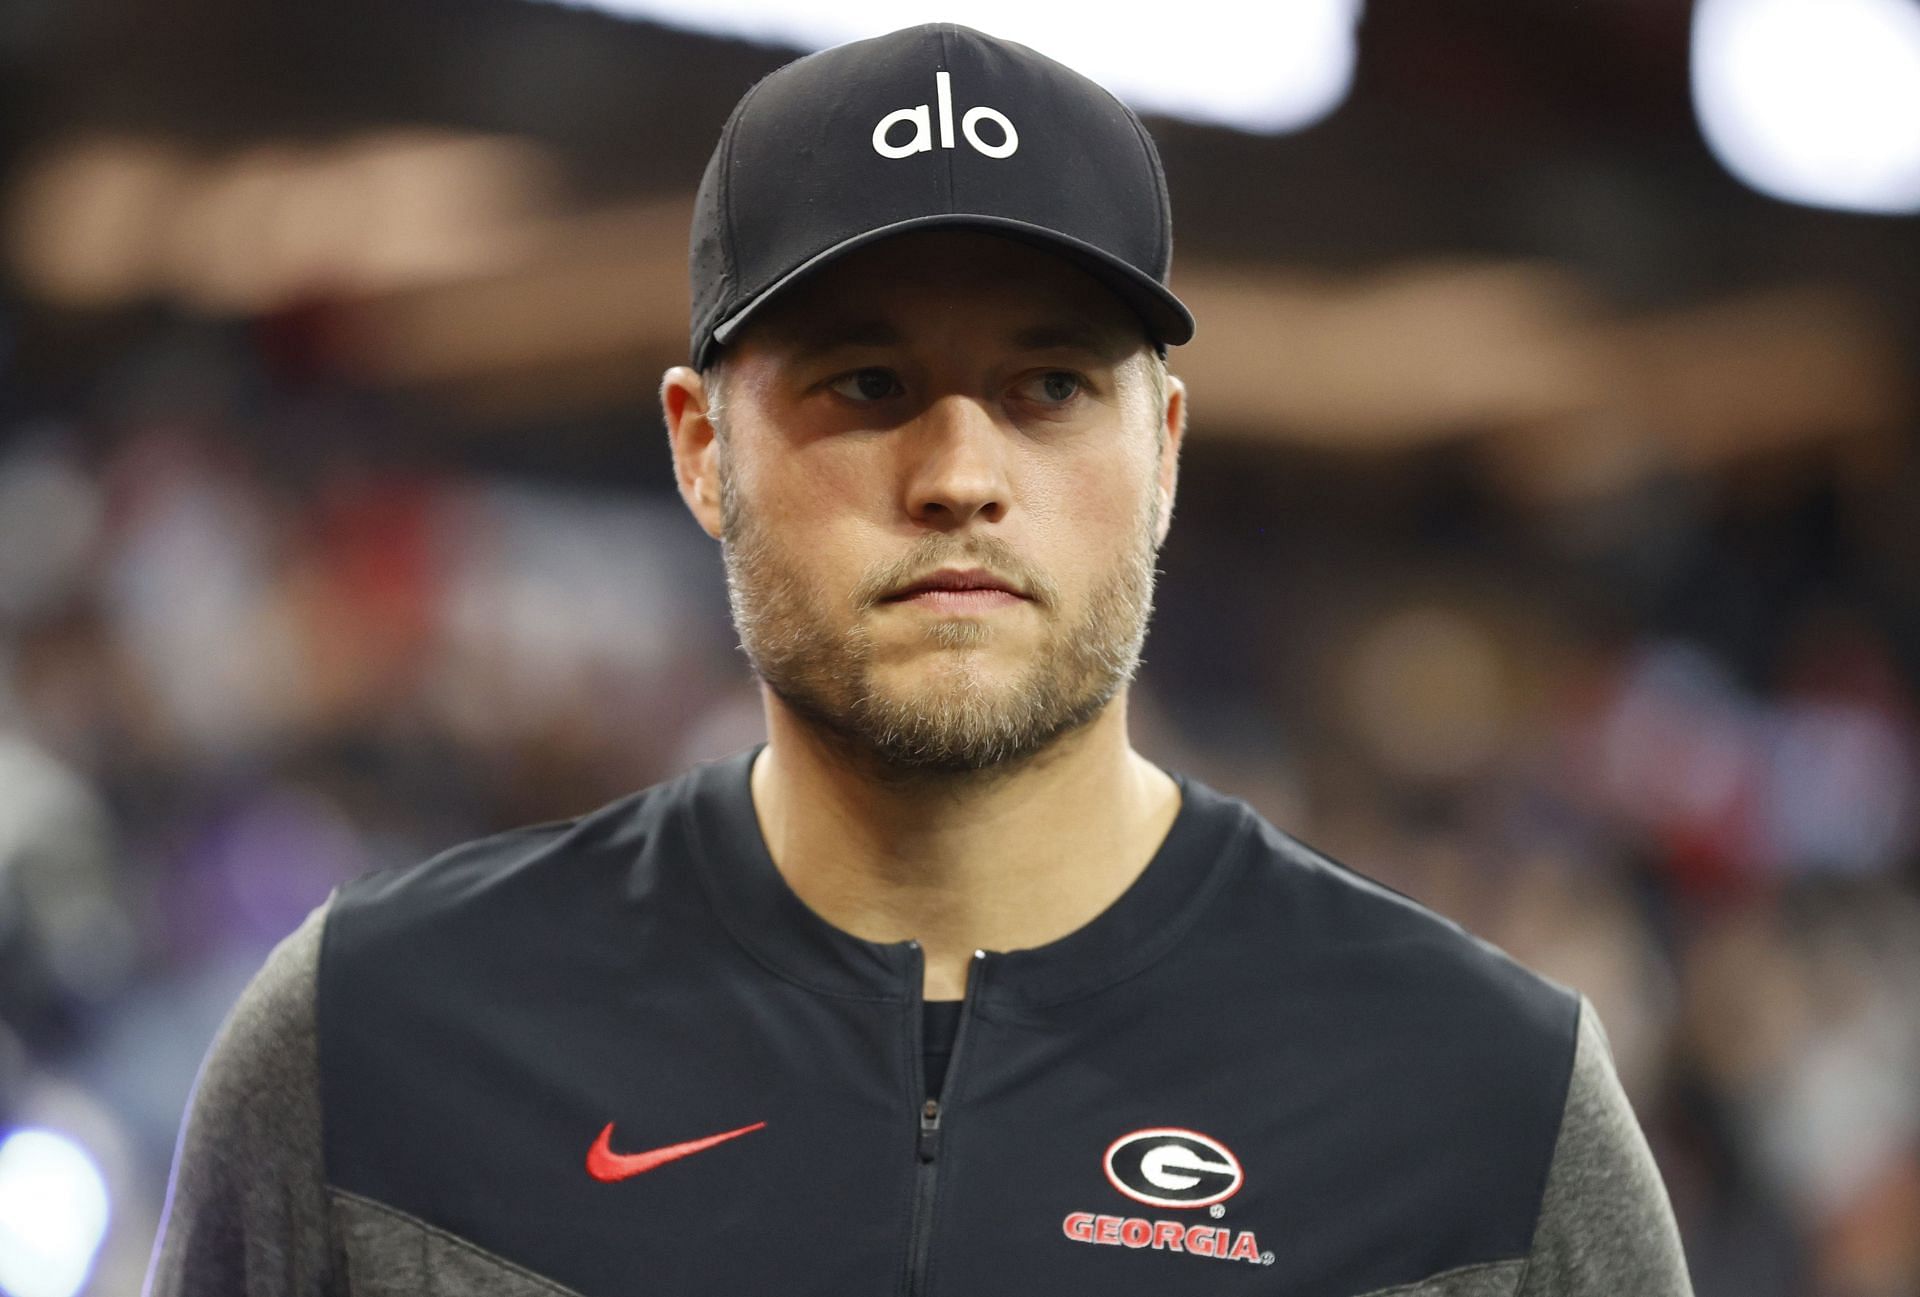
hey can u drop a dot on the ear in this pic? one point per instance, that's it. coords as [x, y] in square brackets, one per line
[696, 446]
[1175, 417]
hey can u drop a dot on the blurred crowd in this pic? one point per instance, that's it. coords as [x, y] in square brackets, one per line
[259, 635]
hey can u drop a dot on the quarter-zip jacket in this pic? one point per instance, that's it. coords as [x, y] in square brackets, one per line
[620, 1056]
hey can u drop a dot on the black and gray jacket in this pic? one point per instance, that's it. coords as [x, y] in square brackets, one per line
[619, 1056]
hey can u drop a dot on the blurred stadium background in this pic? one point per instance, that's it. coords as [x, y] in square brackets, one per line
[1547, 545]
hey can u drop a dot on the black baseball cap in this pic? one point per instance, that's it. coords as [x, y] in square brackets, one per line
[932, 126]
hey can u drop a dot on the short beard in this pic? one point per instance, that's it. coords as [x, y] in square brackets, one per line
[957, 726]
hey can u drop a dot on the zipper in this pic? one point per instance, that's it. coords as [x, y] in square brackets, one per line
[932, 1110]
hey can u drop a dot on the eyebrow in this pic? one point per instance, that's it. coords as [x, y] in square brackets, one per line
[836, 334]
[1074, 335]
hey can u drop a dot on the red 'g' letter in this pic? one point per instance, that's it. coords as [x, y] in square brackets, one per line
[1079, 1226]
[1200, 1240]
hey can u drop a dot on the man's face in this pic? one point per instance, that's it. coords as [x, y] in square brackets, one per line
[943, 409]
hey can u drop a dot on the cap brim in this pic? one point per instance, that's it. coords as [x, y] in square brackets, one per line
[1166, 318]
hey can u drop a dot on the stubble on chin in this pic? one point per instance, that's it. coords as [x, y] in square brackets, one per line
[955, 722]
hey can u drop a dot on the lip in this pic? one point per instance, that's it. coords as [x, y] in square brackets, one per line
[954, 585]
[959, 601]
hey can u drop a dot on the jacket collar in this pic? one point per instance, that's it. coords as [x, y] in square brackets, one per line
[1209, 837]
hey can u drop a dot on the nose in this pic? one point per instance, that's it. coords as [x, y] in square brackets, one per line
[956, 465]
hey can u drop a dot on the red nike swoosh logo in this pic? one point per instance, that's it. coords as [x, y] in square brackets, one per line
[605, 1164]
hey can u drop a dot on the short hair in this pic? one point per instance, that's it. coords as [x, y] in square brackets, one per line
[713, 380]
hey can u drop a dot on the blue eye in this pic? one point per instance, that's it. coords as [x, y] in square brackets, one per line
[866, 385]
[1055, 387]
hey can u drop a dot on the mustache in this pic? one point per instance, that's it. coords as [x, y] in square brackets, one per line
[930, 553]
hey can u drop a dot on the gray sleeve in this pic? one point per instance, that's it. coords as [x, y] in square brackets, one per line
[1605, 1224]
[246, 1211]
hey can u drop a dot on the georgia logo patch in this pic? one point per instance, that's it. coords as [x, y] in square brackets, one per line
[1170, 1167]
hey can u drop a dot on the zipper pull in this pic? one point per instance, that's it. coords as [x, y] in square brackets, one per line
[929, 1130]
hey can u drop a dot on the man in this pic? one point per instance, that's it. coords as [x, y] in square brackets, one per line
[945, 989]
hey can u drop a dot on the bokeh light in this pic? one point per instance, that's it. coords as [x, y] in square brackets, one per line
[1814, 101]
[53, 1214]
[1285, 67]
